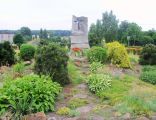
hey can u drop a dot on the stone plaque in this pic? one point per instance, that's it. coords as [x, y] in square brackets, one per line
[79, 36]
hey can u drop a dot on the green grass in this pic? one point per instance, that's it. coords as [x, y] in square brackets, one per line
[77, 102]
[17, 70]
[148, 68]
[148, 74]
[74, 73]
[137, 105]
[117, 91]
[74, 113]
[130, 95]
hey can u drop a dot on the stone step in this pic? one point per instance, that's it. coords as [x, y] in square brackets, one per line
[80, 59]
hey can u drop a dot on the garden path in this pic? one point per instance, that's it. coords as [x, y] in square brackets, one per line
[76, 91]
[93, 110]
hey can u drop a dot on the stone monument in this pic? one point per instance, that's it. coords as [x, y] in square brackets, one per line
[79, 36]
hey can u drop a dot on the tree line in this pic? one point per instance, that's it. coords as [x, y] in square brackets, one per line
[109, 29]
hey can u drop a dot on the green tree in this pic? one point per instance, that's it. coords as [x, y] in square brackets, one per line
[146, 40]
[56, 39]
[18, 39]
[95, 34]
[7, 54]
[92, 35]
[109, 26]
[135, 33]
[41, 34]
[45, 34]
[150, 32]
[26, 33]
[154, 38]
[51, 34]
[123, 32]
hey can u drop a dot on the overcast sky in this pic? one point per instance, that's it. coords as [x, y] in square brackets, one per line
[57, 14]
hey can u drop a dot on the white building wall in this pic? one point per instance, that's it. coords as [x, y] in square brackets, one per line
[6, 37]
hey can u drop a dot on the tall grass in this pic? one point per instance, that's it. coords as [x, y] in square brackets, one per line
[74, 73]
[134, 59]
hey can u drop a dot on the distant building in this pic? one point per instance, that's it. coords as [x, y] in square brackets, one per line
[6, 37]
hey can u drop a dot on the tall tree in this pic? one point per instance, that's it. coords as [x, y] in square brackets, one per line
[150, 32]
[45, 34]
[95, 34]
[109, 26]
[41, 34]
[26, 33]
[135, 33]
[123, 31]
[154, 38]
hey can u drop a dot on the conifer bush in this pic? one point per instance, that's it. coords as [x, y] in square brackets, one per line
[7, 54]
[148, 55]
[52, 60]
[118, 55]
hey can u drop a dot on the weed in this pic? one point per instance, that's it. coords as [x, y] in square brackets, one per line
[134, 58]
[74, 113]
[19, 68]
[117, 91]
[63, 111]
[77, 102]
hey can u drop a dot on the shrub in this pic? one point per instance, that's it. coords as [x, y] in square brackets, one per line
[19, 67]
[118, 55]
[95, 66]
[99, 82]
[18, 39]
[97, 54]
[148, 55]
[146, 40]
[148, 68]
[134, 58]
[27, 52]
[7, 54]
[28, 94]
[52, 60]
[63, 111]
[149, 76]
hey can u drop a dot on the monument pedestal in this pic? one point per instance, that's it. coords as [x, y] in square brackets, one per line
[79, 42]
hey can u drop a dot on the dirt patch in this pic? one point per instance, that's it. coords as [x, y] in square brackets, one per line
[3, 69]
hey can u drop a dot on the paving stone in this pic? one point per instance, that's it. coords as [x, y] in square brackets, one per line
[142, 118]
[153, 117]
[127, 116]
[82, 96]
[84, 109]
